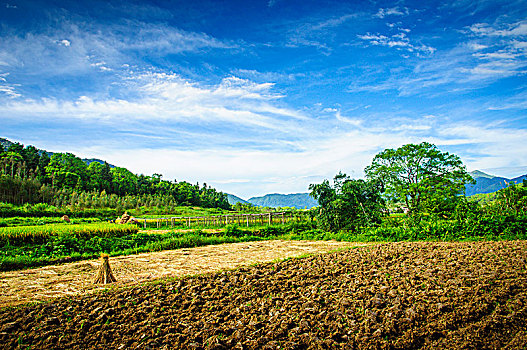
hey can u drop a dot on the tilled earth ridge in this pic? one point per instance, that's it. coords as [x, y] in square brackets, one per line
[388, 296]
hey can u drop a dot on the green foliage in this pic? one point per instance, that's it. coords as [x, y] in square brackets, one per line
[421, 176]
[20, 235]
[234, 230]
[67, 171]
[35, 221]
[124, 181]
[348, 204]
[512, 198]
[27, 177]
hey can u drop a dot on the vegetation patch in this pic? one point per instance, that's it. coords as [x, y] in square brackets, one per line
[24, 247]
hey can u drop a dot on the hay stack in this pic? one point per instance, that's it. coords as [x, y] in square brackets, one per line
[105, 275]
[127, 219]
[65, 218]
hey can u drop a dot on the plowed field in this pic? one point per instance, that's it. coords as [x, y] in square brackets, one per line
[388, 296]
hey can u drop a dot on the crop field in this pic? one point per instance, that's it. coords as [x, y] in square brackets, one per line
[21, 234]
[33, 221]
[385, 296]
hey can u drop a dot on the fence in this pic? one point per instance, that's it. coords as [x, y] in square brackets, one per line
[222, 220]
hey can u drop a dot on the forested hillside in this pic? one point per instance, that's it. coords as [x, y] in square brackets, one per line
[29, 175]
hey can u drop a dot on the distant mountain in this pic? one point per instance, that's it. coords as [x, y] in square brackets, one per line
[5, 143]
[275, 200]
[486, 183]
[520, 178]
[478, 173]
[235, 199]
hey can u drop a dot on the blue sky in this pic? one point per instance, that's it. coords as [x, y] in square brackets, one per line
[256, 97]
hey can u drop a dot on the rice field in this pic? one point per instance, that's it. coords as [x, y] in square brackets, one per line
[35, 234]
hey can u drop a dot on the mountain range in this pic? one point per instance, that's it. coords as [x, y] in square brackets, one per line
[486, 183]
[275, 200]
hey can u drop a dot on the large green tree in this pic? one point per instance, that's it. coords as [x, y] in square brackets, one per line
[420, 176]
[100, 177]
[67, 171]
[123, 181]
[348, 204]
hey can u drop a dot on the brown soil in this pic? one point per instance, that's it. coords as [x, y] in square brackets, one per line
[389, 296]
[17, 287]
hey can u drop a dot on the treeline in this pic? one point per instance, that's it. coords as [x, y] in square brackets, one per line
[428, 186]
[29, 176]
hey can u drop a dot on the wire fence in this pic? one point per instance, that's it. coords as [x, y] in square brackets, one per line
[223, 220]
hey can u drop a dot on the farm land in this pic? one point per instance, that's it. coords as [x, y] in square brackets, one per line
[405, 295]
[430, 269]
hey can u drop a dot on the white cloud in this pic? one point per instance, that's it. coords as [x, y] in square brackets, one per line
[492, 146]
[101, 66]
[9, 90]
[393, 11]
[522, 45]
[258, 172]
[48, 53]
[399, 41]
[477, 47]
[512, 29]
[319, 33]
[168, 97]
[340, 118]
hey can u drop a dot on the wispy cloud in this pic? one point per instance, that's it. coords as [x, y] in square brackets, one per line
[318, 32]
[392, 11]
[505, 30]
[76, 48]
[7, 88]
[168, 97]
[398, 41]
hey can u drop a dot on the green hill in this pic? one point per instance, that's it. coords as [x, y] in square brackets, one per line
[486, 183]
[235, 199]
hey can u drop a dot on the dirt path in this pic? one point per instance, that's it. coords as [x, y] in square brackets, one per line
[17, 287]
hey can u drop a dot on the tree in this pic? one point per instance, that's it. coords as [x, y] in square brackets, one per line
[11, 163]
[513, 198]
[124, 181]
[67, 171]
[31, 157]
[100, 176]
[41, 168]
[420, 176]
[348, 204]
